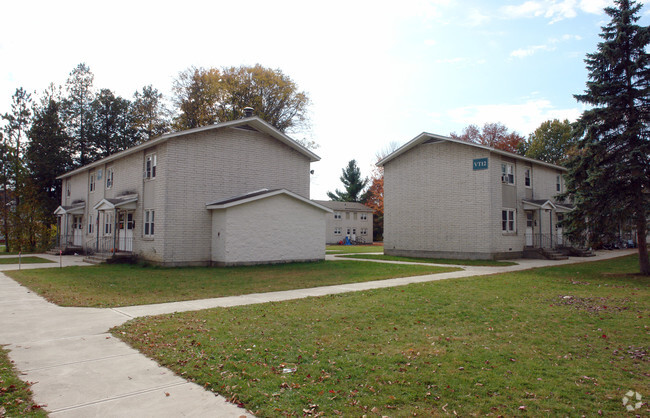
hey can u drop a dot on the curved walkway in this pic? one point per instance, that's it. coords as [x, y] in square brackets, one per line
[79, 370]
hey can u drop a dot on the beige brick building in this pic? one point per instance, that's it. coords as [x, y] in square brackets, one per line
[351, 220]
[151, 200]
[454, 199]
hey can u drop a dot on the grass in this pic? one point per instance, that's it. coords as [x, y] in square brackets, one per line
[567, 340]
[24, 260]
[15, 395]
[351, 249]
[432, 260]
[124, 285]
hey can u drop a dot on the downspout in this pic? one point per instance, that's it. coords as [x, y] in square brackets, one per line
[114, 231]
[97, 233]
[550, 226]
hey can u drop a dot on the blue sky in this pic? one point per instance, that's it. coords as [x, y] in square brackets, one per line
[377, 72]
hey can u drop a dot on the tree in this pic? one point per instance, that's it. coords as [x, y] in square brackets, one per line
[354, 185]
[110, 125]
[48, 155]
[494, 135]
[551, 142]
[149, 114]
[609, 176]
[206, 96]
[375, 201]
[76, 108]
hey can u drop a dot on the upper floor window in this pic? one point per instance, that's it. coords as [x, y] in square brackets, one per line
[527, 179]
[507, 173]
[364, 216]
[67, 187]
[109, 178]
[364, 231]
[92, 182]
[150, 166]
[337, 230]
[337, 215]
[558, 183]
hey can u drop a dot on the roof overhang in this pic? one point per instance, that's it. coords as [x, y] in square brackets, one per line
[128, 202]
[426, 137]
[70, 210]
[259, 195]
[254, 122]
[538, 204]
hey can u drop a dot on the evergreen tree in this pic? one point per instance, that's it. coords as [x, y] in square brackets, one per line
[110, 126]
[48, 155]
[149, 115]
[354, 185]
[76, 108]
[609, 177]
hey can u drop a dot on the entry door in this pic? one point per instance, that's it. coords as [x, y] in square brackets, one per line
[558, 229]
[529, 228]
[125, 237]
[77, 230]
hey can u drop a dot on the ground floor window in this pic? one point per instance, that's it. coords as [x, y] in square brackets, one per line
[149, 223]
[364, 231]
[508, 220]
[337, 231]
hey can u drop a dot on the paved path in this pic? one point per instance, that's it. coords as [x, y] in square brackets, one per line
[80, 370]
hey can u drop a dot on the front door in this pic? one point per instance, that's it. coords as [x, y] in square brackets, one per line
[558, 229]
[77, 230]
[529, 228]
[125, 232]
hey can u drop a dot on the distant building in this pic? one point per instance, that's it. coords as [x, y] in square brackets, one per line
[349, 219]
[454, 199]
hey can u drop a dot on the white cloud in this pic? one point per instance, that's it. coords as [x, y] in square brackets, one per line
[526, 52]
[555, 10]
[523, 117]
[476, 18]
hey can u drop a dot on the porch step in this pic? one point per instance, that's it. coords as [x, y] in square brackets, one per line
[543, 254]
[96, 258]
[553, 254]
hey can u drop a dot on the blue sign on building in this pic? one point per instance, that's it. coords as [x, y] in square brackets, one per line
[480, 163]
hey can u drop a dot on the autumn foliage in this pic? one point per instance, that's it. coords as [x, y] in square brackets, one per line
[494, 135]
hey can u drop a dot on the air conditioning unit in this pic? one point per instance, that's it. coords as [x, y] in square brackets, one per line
[504, 178]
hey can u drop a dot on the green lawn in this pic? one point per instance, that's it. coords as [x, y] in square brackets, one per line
[124, 285]
[24, 260]
[15, 395]
[432, 260]
[558, 341]
[351, 249]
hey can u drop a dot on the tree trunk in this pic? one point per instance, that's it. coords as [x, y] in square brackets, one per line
[641, 230]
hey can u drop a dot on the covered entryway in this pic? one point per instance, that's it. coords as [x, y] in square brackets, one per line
[70, 230]
[119, 222]
[125, 231]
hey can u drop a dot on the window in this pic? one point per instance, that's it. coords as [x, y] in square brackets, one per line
[109, 178]
[337, 230]
[337, 215]
[558, 183]
[364, 216]
[529, 220]
[92, 182]
[90, 226]
[67, 187]
[354, 231]
[527, 182]
[508, 220]
[560, 219]
[347, 215]
[108, 223]
[150, 166]
[507, 173]
[148, 223]
[363, 231]
[348, 233]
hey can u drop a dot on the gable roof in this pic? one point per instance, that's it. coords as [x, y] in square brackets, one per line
[344, 206]
[253, 122]
[258, 195]
[433, 138]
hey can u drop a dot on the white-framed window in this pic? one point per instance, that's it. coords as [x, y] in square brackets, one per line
[90, 225]
[364, 216]
[108, 223]
[67, 187]
[527, 179]
[347, 215]
[354, 231]
[508, 223]
[91, 186]
[348, 231]
[337, 230]
[337, 215]
[363, 231]
[558, 183]
[150, 162]
[507, 173]
[109, 178]
[149, 222]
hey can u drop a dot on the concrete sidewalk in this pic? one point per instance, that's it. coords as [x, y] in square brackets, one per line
[79, 370]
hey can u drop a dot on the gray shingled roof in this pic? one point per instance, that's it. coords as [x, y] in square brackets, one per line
[344, 206]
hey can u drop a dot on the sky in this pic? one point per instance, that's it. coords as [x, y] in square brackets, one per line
[378, 73]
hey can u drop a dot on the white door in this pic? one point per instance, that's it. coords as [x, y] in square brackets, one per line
[558, 229]
[529, 229]
[77, 230]
[125, 233]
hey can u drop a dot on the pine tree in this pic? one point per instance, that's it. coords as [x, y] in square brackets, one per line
[354, 185]
[76, 108]
[609, 177]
